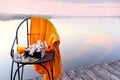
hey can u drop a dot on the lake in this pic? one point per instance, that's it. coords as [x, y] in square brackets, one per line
[84, 41]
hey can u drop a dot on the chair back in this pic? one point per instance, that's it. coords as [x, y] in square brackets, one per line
[22, 32]
[32, 29]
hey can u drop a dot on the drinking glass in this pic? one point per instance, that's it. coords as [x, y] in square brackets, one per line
[21, 50]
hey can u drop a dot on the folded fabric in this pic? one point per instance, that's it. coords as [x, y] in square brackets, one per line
[42, 29]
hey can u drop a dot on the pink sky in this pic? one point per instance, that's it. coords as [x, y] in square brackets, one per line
[59, 8]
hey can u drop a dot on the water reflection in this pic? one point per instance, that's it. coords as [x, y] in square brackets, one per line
[87, 41]
[84, 41]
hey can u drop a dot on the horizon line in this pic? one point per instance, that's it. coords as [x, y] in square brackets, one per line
[5, 17]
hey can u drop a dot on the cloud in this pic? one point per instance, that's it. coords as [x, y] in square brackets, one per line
[105, 6]
[87, 1]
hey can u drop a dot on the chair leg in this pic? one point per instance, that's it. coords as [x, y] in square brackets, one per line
[22, 72]
[18, 71]
[46, 70]
[52, 69]
[11, 71]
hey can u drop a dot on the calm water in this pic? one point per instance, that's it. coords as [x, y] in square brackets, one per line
[84, 41]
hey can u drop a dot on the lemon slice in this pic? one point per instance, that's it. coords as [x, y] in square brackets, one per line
[33, 60]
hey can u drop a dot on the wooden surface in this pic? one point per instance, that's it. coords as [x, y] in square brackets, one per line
[107, 71]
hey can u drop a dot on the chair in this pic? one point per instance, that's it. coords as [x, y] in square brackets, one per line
[33, 32]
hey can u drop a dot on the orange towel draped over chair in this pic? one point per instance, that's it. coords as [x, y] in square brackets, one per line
[42, 29]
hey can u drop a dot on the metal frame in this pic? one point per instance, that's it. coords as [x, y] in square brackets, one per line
[20, 64]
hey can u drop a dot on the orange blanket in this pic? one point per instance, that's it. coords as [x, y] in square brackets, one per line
[48, 33]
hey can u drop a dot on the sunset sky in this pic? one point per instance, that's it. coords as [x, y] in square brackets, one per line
[83, 40]
[62, 7]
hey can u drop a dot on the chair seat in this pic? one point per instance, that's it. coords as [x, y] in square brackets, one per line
[48, 57]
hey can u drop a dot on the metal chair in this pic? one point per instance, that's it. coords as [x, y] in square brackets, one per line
[49, 56]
